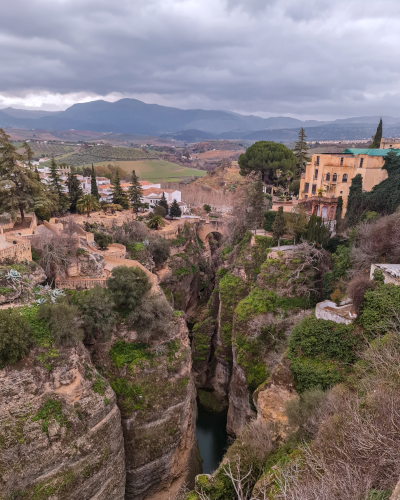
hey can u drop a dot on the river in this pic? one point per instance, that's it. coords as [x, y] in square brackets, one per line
[212, 438]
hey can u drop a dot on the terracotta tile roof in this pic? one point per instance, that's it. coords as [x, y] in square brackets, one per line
[145, 183]
[104, 186]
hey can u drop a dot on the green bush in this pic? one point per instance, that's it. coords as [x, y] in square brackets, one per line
[15, 338]
[381, 309]
[309, 373]
[160, 210]
[269, 219]
[313, 337]
[127, 286]
[64, 321]
[103, 239]
[153, 318]
[97, 311]
[182, 271]
[341, 262]
[160, 250]
[301, 411]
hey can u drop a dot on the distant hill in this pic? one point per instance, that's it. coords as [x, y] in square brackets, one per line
[131, 116]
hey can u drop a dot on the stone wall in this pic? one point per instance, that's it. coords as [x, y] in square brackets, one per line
[19, 251]
[84, 284]
[329, 311]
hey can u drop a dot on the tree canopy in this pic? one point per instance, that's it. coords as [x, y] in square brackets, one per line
[135, 193]
[94, 190]
[175, 210]
[301, 150]
[376, 141]
[267, 157]
[20, 186]
[119, 197]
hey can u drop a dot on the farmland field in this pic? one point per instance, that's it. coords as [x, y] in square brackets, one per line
[105, 153]
[156, 170]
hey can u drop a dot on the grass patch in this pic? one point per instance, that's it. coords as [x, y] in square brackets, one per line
[51, 410]
[129, 353]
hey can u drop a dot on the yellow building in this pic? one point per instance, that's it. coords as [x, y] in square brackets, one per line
[390, 143]
[333, 172]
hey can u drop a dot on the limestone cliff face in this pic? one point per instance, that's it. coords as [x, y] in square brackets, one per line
[30, 275]
[156, 395]
[271, 397]
[60, 430]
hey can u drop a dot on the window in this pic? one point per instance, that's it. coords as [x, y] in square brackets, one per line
[341, 161]
[317, 161]
[361, 162]
[314, 189]
[334, 178]
[344, 178]
[328, 176]
[390, 145]
[306, 196]
[306, 187]
[316, 174]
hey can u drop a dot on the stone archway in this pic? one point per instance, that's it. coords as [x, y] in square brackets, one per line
[213, 226]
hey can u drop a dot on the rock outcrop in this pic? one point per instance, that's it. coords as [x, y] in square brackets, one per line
[20, 286]
[156, 396]
[60, 429]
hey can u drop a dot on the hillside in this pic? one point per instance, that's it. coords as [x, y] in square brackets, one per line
[131, 116]
[106, 153]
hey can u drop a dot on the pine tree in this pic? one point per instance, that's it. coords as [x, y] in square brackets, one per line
[74, 191]
[135, 193]
[55, 183]
[279, 226]
[376, 141]
[55, 180]
[20, 187]
[355, 201]
[119, 197]
[93, 184]
[175, 210]
[301, 150]
[256, 203]
[163, 202]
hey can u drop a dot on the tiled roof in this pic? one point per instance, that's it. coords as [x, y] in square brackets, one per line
[370, 152]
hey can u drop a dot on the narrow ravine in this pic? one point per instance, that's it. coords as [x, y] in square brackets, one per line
[212, 438]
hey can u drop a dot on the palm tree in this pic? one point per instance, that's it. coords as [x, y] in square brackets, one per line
[87, 202]
[155, 222]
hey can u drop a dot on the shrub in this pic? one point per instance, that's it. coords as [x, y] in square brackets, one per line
[103, 239]
[269, 219]
[97, 311]
[64, 321]
[153, 318]
[381, 309]
[316, 337]
[341, 262]
[303, 412]
[357, 288]
[127, 286]
[14, 337]
[160, 250]
[160, 210]
[336, 296]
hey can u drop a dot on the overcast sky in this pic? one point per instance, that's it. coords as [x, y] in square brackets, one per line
[305, 58]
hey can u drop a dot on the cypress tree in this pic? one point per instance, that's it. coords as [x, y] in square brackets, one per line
[355, 201]
[301, 150]
[119, 197]
[55, 182]
[94, 190]
[279, 226]
[74, 191]
[163, 202]
[135, 193]
[175, 210]
[256, 204]
[376, 141]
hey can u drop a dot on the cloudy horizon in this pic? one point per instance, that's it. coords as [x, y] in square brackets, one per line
[310, 59]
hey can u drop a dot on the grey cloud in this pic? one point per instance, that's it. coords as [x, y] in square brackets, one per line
[308, 58]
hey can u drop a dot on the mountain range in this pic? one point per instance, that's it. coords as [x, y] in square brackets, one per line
[136, 117]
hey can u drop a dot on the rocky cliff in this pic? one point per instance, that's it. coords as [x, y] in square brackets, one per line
[156, 396]
[60, 430]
